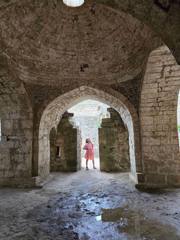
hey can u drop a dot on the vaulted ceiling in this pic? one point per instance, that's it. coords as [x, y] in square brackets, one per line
[47, 43]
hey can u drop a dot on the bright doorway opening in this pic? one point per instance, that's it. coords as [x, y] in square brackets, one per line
[88, 116]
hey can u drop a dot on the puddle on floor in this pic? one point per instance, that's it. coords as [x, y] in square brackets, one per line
[136, 225]
[99, 218]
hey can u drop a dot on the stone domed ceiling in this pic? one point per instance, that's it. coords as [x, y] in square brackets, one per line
[49, 43]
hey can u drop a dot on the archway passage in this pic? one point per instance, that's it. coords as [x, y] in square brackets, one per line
[87, 118]
[104, 127]
[53, 113]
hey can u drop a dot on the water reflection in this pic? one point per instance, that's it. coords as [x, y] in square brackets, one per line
[98, 218]
[136, 225]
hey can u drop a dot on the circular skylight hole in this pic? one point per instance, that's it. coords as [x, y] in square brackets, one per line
[73, 3]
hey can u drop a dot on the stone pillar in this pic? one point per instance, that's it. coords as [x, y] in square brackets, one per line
[79, 146]
[53, 147]
[64, 146]
[113, 144]
[158, 117]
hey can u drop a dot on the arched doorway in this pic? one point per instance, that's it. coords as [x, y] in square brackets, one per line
[101, 124]
[54, 111]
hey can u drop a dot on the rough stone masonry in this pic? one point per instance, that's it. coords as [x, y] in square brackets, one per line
[123, 53]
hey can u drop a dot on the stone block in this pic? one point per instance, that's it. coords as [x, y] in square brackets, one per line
[155, 179]
[173, 180]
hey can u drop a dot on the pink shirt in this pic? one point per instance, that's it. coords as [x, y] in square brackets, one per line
[89, 151]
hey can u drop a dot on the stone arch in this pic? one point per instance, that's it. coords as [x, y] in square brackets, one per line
[53, 113]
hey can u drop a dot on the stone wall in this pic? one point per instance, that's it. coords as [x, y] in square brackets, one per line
[79, 146]
[158, 115]
[113, 144]
[64, 146]
[16, 125]
[53, 148]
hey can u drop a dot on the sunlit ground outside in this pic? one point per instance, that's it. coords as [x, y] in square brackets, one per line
[90, 165]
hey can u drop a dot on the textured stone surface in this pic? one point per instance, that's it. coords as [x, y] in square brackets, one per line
[16, 124]
[113, 144]
[65, 157]
[52, 56]
[66, 209]
[48, 43]
[158, 111]
[130, 89]
[161, 16]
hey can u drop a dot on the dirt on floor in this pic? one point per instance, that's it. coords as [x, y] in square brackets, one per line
[89, 205]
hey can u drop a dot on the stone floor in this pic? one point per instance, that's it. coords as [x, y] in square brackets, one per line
[89, 205]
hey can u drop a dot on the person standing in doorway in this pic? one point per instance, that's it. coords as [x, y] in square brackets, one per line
[89, 155]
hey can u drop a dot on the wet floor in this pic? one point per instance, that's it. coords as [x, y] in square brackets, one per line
[89, 206]
[134, 225]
